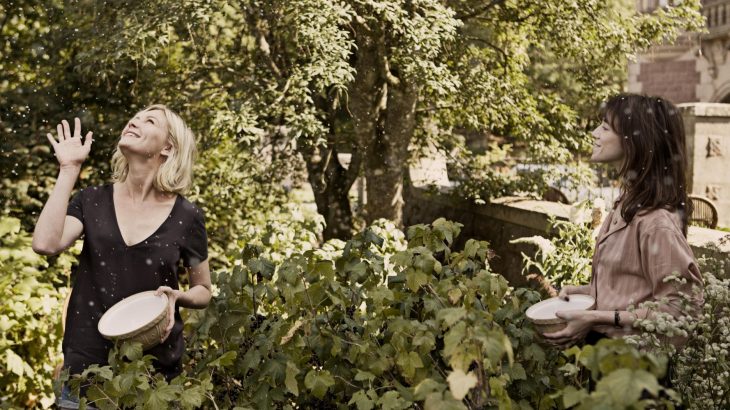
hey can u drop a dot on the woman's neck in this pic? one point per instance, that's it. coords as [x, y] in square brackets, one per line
[139, 185]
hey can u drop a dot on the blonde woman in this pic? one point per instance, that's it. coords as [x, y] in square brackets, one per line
[136, 230]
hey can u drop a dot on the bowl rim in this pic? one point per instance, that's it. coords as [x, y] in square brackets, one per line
[139, 330]
[557, 320]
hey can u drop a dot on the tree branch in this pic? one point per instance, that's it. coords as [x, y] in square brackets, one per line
[505, 56]
[480, 11]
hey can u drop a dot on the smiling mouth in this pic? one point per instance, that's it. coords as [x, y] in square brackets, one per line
[131, 134]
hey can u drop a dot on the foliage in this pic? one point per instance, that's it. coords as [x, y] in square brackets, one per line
[377, 321]
[565, 258]
[29, 319]
[359, 324]
[130, 381]
[701, 362]
[316, 78]
[624, 378]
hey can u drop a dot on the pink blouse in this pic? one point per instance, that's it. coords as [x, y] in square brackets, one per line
[631, 261]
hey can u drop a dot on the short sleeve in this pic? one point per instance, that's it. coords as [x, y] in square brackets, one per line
[75, 207]
[195, 248]
[665, 252]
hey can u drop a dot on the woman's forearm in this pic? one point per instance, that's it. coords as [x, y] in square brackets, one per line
[196, 297]
[48, 230]
[608, 317]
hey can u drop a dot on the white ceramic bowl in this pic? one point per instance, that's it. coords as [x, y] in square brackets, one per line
[141, 317]
[542, 314]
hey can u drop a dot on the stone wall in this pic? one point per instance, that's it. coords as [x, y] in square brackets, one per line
[509, 218]
[675, 80]
[708, 147]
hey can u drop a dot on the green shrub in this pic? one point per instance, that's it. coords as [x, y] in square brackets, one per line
[30, 319]
[379, 321]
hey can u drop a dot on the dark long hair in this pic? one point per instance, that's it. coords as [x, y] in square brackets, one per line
[654, 173]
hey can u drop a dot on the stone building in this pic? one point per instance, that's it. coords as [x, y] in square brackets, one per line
[695, 68]
[694, 72]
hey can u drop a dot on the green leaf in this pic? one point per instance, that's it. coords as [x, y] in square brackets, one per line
[460, 383]
[363, 375]
[9, 225]
[415, 279]
[362, 401]
[318, 382]
[449, 316]
[426, 387]
[409, 362]
[573, 396]
[402, 259]
[624, 386]
[291, 378]
[517, 372]
[131, 350]
[224, 360]
[161, 397]
[392, 400]
[251, 359]
[13, 362]
[192, 397]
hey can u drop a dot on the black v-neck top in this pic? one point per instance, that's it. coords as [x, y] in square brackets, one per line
[109, 270]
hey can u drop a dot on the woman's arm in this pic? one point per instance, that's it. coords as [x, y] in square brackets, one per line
[54, 231]
[199, 294]
[580, 322]
[197, 297]
[568, 290]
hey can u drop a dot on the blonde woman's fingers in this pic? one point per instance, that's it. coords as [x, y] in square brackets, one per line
[59, 131]
[66, 129]
[51, 139]
[87, 138]
[77, 127]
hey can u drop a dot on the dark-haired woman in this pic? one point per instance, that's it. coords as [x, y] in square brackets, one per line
[643, 239]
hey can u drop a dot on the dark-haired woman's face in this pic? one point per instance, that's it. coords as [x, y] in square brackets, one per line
[607, 146]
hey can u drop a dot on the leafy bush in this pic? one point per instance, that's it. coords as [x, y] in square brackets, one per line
[565, 258]
[377, 321]
[130, 381]
[701, 365]
[624, 378]
[372, 324]
[30, 331]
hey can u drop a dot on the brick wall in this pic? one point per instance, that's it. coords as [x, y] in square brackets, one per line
[674, 80]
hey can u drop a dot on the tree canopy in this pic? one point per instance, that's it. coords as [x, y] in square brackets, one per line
[288, 85]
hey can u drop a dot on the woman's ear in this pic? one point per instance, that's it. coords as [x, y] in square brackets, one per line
[167, 151]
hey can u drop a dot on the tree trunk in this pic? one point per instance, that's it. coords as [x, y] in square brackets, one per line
[331, 183]
[387, 158]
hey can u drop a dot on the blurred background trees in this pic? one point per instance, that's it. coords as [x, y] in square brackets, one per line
[277, 89]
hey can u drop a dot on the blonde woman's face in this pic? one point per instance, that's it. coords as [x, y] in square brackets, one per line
[146, 134]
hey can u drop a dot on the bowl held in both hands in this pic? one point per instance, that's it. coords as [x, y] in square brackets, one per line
[542, 314]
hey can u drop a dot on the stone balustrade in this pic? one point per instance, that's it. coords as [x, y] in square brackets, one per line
[717, 16]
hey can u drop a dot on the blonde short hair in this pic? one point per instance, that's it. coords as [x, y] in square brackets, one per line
[175, 175]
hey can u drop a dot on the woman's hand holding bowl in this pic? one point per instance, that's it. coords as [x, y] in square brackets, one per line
[172, 296]
[579, 323]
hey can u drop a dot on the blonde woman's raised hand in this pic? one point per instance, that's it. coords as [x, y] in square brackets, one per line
[69, 149]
